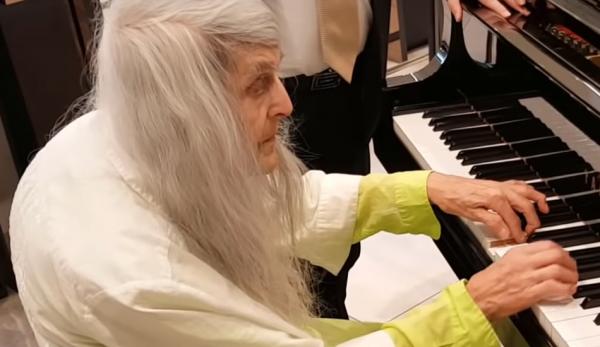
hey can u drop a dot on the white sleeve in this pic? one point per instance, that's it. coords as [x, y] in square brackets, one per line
[166, 313]
[332, 202]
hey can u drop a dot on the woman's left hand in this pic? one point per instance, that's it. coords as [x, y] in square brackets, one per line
[497, 6]
[494, 204]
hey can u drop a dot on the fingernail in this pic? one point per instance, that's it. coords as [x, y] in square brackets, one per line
[506, 14]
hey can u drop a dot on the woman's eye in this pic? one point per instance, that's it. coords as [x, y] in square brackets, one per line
[260, 85]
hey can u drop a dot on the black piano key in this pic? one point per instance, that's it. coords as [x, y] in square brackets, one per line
[589, 212]
[524, 174]
[494, 104]
[587, 290]
[588, 263]
[587, 206]
[558, 206]
[542, 146]
[505, 115]
[552, 219]
[467, 133]
[487, 154]
[544, 188]
[556, 216]
[583, 200]
[572, 184]
[594, 179]
[504, 166]
[590, 302]
[588, 271]
[447, 110]
[522, 130]
[597, 319]
[456, 122]
[559, 164]
[586, 255]
[474, 142]
[568, 237]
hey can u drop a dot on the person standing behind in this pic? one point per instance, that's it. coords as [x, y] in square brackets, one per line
[333, 68]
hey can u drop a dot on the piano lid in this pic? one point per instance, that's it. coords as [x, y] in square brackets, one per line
[580, 10]
[561, 41]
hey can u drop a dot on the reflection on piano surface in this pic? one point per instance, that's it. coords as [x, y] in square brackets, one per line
[533, 116]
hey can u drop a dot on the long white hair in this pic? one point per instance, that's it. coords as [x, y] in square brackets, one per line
[164, 72]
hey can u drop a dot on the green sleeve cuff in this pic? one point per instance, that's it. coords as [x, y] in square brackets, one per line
[397, 203]
[452, 320]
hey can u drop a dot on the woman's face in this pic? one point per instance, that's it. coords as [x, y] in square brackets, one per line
[264, 100]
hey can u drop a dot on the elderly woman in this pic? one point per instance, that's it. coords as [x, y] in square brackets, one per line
[174, 215]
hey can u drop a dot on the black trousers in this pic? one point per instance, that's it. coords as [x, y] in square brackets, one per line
[330, 135]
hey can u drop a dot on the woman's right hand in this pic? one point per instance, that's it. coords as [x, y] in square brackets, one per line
[526, 275]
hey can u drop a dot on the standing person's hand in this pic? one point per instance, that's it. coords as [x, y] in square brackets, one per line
[500, 7]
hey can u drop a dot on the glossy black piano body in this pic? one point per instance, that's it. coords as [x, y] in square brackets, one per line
[43, 53]
[518, 73]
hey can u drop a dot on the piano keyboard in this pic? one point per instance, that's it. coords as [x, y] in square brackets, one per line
[527, 140]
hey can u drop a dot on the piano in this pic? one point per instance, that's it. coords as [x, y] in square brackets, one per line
[44, 49]
[530, 111]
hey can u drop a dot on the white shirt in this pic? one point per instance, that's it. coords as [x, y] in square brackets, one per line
[97, 265]
[300, 39]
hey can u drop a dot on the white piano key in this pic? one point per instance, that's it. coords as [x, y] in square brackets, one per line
[546, 324]
[429, 151]
[567, 323]
[577, 328]
[587, 342]
[590, 281]
[557, 312]
[584, 246]
[563, 128]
